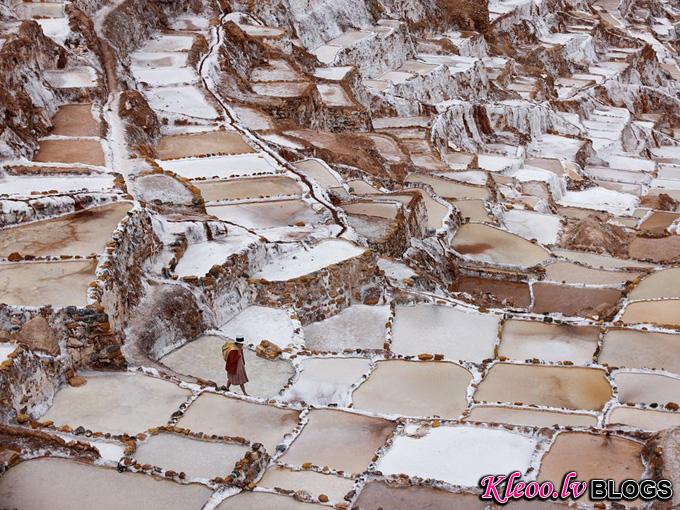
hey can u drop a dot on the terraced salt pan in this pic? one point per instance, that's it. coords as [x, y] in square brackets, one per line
[117, 403]
[575, 301]
[164, 76]
[220, 166]
[76, 77]
[355, 327]
[522, 340]
[77, 485]
[339, 440]
[280, 89]
[484, 243]
[86, 152]
[456, 334]
[301, 262]
[551, 386]
[260, 500]
[660, 284]
[258, 187]
[157, 59]
[75, 120]
[199, 144]
[198, 459]
[203, 358]
[25, 185]
[591, 456]
[473, 209]
[665, 312]
[409, 388]
[647, 388]
[199, 258]
[312, 482]
[167, 42]
[162, 187]
[641, 349]
[545, 228]
[58, 284]
[325, 381]
[459, 455]
[223, 416]
[184, 100]
[318, 171]
[530, 417]
[447, 188]
[264, 215]
[596, 260]
[567, 272]
[82, 233]
[601, 199]
[256, 323]
[646, 419]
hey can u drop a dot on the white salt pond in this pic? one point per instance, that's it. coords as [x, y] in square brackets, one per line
[223, 416]
[647, 388]
[117, 403]
[355, 327]
[60, 484]
[301, 261]
[199, 258]
[203, 358]
[181, 100]
[456, 334]
[459, 455]
[410, 388]
[76, 77]
[5, 350]
[25, 185]
[257, 323]
[220, 166]
[196, 458]
[646, 419]
[641, 349]
[325, 381]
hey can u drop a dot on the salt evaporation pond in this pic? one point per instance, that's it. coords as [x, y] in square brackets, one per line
[410, 388]
[355, 327]
[196, 458]
[256, 187]
[117, 403]
[76, 485]
[641, 349]
[459, 455]
[457, 334]
[530, 417]
[335, 487]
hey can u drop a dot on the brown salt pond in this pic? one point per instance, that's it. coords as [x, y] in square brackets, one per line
[575, 301]
[378, 496]
[201, 144]
[376, 209]
[83, 233]
[75, 120]
[522, 340]
[335, 487]
[87, 152]
[500, 292]
[601, 261]
[446, 188]
[659, 250]
[483, 243]
[660, 284]
[223, 416]
[264, 215]
[339, 440]
[261, 500]
[196, 458]
[240, 189]
[646, 419]
[117, 403]
[592, 456]
[551, 386]
[318, 171]
[163, 188]
[58, 284]
[475, 210]
[641, 349]
[665, 312]
[529, 417]
[658, 221]
[566, 272]
[647, 388]
[60, 484]
[412, 388]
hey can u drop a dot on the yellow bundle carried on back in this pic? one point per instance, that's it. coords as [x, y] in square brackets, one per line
[227, 348]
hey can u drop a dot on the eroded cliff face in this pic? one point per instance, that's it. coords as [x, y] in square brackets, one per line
[27, 101]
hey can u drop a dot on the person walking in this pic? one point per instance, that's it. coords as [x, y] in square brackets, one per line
[235, 365]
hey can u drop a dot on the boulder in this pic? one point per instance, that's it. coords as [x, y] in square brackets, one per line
[268, 350]
[37, 335]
